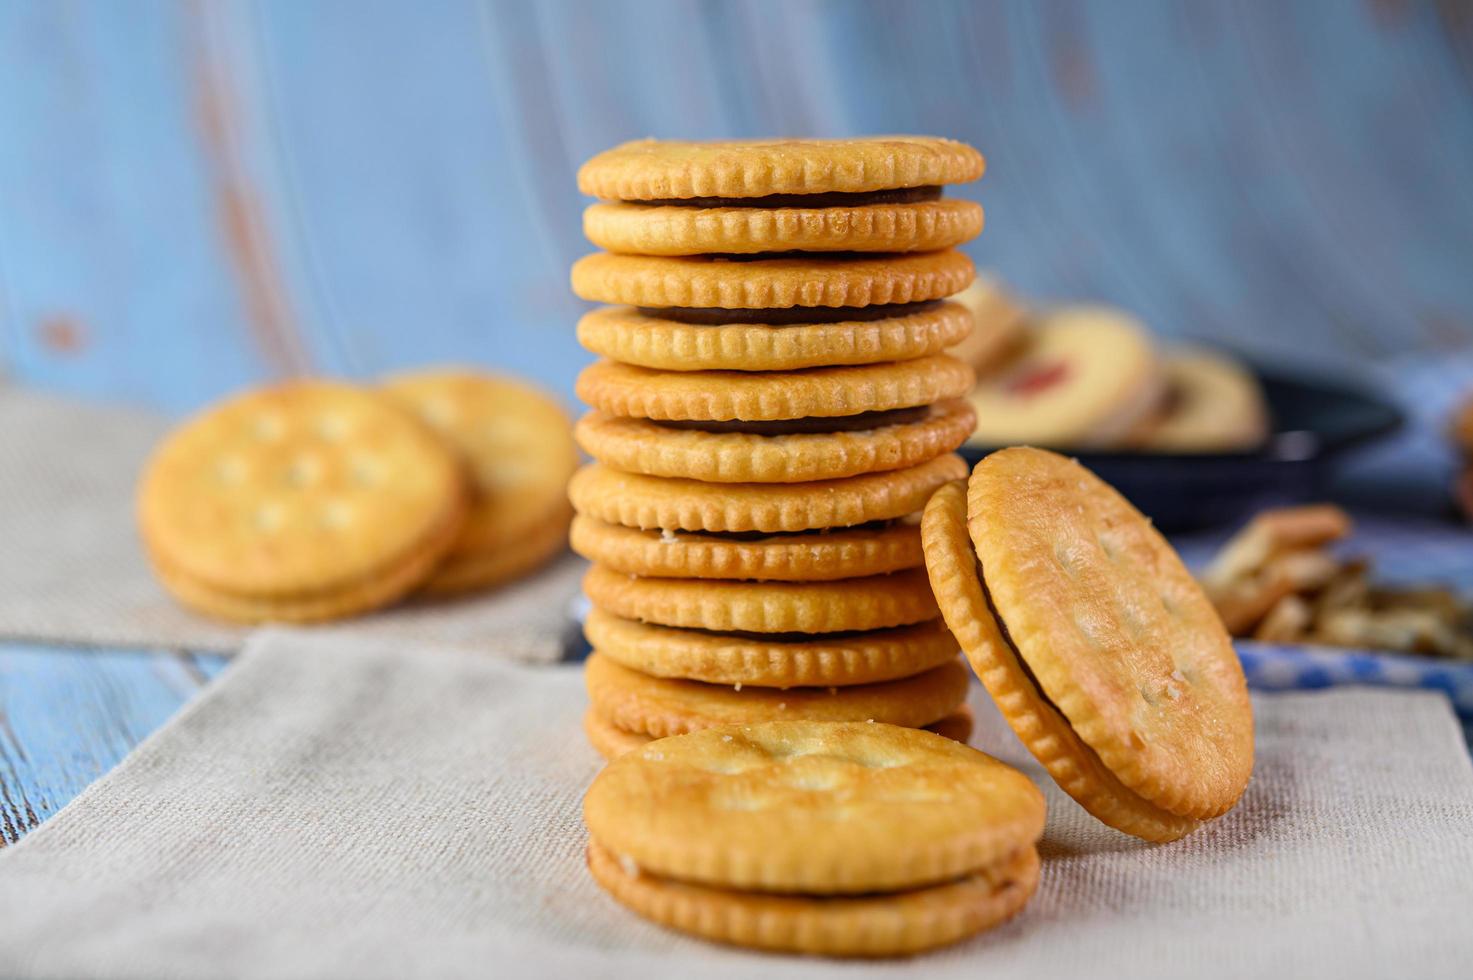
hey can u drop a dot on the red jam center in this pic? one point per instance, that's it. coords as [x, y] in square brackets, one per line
[1038, 379]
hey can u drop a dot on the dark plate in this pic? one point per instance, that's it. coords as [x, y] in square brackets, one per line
[1316, 422]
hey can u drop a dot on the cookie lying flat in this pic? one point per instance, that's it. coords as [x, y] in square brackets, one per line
[622, 333]
[672, 229]
[742, 658]
[769, 283]
[660, 706]
[1086, 377]
[1113, 630]
[520, 452]
[873, 602]
[305, 501]
[649, 170]
[721, 396]
[896, 924]
[813, 808]
[952, 564]
[634, 500]
[805, 557]
[611, 742]
[644, 446]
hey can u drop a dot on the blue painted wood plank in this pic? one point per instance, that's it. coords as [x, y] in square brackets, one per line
[67, 716]
[196, 195]
[116, 272]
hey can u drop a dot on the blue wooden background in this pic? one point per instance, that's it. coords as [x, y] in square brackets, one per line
[199, 195]
[194, 196]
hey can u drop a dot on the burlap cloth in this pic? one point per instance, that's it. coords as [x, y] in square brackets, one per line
[349, 809]
[72, 570]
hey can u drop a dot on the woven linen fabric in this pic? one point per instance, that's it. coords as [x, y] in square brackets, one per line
[336, 809]
[72, 569]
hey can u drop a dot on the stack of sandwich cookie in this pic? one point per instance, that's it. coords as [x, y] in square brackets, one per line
[846, 839]
[773, 408]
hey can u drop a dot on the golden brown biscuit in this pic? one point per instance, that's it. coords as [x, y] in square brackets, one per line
[720, 396]
[648, 170]
[920, 226]
[644, 446]
[660, 706]
[805, 557]
[1117, 633]
[338, 602]
[952, 564]
[462, 573]
[760, 661]
[894, 924]
[611, 742]
[516, 439]
[873, 602]
[1272, 532]
[819, 809]
[622, 333]
[641, 501]
[769, 283]
[304, 501]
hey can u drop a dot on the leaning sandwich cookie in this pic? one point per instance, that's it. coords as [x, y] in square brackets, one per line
[1099, 648]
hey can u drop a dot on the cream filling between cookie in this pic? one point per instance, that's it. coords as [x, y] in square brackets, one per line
[711, 316]
[813, 425]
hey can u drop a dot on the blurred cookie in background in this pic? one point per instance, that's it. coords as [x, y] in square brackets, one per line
[1278, 581]
[1085, 377]
[1460, 434]
[1213, 404]
[517, 443]
[1000, 324]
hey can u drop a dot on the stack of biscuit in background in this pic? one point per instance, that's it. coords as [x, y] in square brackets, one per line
[772, 409]
[316, 500]
[1091, 377]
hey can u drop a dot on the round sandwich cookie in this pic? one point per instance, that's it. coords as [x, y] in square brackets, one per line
[870, 549]
[869, 442]
[1088, 377]
[783, 661]
[914, 220]
[1000, 325]
[518, 445]
[776, 396]
[869, 603]
[765, 282]
[1095, 641]
[881, 925]
[661, 170]
[659, 706]
[300, 502]
[841, 839]
[611, 742]
[951, 562]
[1212, 405]
[714, 341]
[669, 503]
